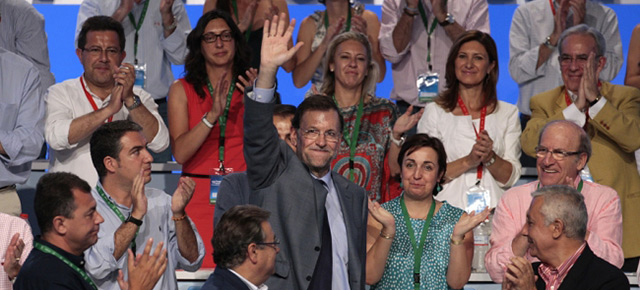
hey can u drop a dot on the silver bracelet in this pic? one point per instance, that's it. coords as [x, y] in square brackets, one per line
[206, 122]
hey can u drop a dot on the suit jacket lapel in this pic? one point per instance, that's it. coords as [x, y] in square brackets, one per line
[576, 273]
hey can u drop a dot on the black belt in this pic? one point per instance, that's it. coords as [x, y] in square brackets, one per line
[7, 187]
[160, 101]
[195, 175]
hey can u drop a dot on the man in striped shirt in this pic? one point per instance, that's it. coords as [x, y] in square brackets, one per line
[555, 229]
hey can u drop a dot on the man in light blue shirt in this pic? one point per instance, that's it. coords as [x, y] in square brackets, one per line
[21, 126]
[134, 213]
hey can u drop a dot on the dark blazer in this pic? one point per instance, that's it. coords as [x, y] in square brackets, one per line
[589, 273]
[283, 185]
[223, 279]
[234, 190]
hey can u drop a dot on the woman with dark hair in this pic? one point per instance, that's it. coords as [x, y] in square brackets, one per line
[319, 29]
[350, 76]
[250, 15]
[481, 134]
[206, 111]
[415, 241]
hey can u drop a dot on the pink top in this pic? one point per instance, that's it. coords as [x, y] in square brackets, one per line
[9, 226]
[604, 225]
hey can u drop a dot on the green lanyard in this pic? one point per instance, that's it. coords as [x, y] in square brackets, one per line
[417, 249]
[352, 141]
[579, 186]
[222, 120]
[247, 33]
[115, 209]
[137, 27]
[326, 20]
[50, 251]
[430, 30]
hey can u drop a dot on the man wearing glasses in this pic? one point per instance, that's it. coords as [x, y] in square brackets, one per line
[104, 93]
[319, 215]
[245, 249]
[563, 150]
[610, 114]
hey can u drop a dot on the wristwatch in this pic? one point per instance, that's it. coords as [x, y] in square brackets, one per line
[173, 25]
[491, 161]
[136, 103]
[448, 20]
[593, 103]
[396, 141]
[133, 220]
[548, 44]
[410, 11]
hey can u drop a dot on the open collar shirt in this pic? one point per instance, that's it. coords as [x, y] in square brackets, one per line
[604, 225]
[67, 101]
[157, 224]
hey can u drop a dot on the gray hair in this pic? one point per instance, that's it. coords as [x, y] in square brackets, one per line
[329, 77]
[565, 203]
[585, 142]
[583, 29]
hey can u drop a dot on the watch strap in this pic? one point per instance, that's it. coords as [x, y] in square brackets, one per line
[133, 220]
[136, 103]
[595, 101]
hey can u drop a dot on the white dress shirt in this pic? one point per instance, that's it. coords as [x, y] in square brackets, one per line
[67, 101]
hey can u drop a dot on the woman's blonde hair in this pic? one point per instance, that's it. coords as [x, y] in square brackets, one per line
[329, 80]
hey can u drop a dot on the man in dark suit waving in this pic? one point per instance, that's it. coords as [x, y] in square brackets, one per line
[244, 250]
[320, 216]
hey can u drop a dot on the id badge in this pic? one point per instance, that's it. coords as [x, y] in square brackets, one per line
[216, 179]
[427, 87]
[477, 198]
[141, 75]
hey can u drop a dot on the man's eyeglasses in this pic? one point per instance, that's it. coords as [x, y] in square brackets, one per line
[580, 60]
[96, 51]
[312, 134]
[557, 154]
[211, 37]
[275, 244]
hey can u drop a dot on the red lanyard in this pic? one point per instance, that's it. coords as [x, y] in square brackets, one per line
[483, 116]
[90, 98]
[553, 8]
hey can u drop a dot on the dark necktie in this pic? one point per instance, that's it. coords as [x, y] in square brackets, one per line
[323, 272]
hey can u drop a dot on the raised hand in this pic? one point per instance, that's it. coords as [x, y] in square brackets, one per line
[588, 89]
[252, 75]
[219, 98]
[579, 10]
[139, 197]
[12, 256]
[485, 145]
[519, 275]
[439, 9]
[406, 121]
[358, 24]
[273, 11]
[182, 195]
[145, 270]
[275, 48]
[467, 222]
[382, 216]
[247, 18]
[334, 29]
[560, 19]
[124, 77]
[165, 8]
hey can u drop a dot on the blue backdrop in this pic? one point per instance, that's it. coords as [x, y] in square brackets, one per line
[61, 23]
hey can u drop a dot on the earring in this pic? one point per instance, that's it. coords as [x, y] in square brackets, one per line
[438, 187]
